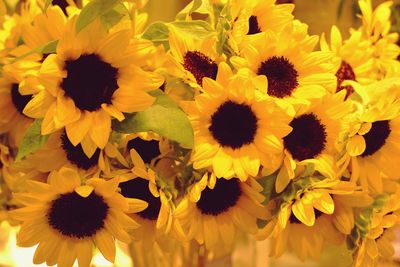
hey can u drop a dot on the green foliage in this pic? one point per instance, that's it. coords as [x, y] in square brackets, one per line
[93, 10]
[32, 141]
[115, 15]
[196, 6]
[164, 117]
[158, 33]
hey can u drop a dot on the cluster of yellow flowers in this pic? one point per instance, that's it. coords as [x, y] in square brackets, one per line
[182, 135]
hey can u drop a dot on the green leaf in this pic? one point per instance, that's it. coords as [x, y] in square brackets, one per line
[114, 16]
[32, 141]
[164, 117]
[48, 48]
[198, 28]
[94, 9]
[196, 6]
[157, 32]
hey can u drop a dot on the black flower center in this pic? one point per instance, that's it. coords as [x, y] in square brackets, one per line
[148, 150]
[345, 72]
[307, 138]
[63, 4]
[233, 124]
[19, 101]
[253, 26]
[77, 156]
[281, 75]
[75, 216]
[200, 66]
[139, 188]
[278, 2]
[376, 137]
[225, 195]
[90, 81]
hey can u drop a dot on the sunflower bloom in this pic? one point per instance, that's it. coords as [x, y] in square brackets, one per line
[66, 218]
[90, 79]
[235, 131]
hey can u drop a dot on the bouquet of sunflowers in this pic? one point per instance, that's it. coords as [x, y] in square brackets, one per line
[180, 138]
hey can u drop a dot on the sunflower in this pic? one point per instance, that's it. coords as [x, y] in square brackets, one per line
[376, 27]
[91, 79]
[234, 130]
[317, 130]
[320, 212]
[353, 59]
[195, 57]
[156, 221]
[66, 218]
[254, 16]
[12, 104]
[287, 60]
[377, 243]
[215, 209]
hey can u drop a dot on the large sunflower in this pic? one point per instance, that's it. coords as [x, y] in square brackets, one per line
[90, 79]
[287, 60]
[316, 132]
[234, 130]
[66, 218]
[215, 209]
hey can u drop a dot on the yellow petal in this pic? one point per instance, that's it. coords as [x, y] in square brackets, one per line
[356, 145]
[105, 243]
[304, 211]
[324, 203]
[84, 190]
[100, 129]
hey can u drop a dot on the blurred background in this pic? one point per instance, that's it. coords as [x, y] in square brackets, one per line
[320, 15]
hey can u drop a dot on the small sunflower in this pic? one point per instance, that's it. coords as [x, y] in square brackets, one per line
[377, 244]
[196, 57]
[215, 209]
[90, 79]
[254, 16]
[353, 58]
[372, 147]
[287, 60]
[316, 132]
[234, 130]
[321, 212]
[66, 218]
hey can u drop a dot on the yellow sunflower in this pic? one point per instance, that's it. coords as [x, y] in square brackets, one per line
[372, 147]
[195, 57]
[234, 130]
[90, 79]
[254, 16]
[304, 224]
[215, 209]
[376, 27]
[377, 244]
[66, 218]
[317, 130]
[287, 60]
[353, 59]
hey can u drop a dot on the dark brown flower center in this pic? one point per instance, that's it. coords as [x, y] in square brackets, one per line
[75, 216]
[90, 81]
[307, 139]
[148, 150]
[281, 75]
[253, 26]
[19, 101]
[345, 72]
[139, 188]
[223, 196]
[200, 66]
[376, 137]
[233, 125]
[77, 156]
